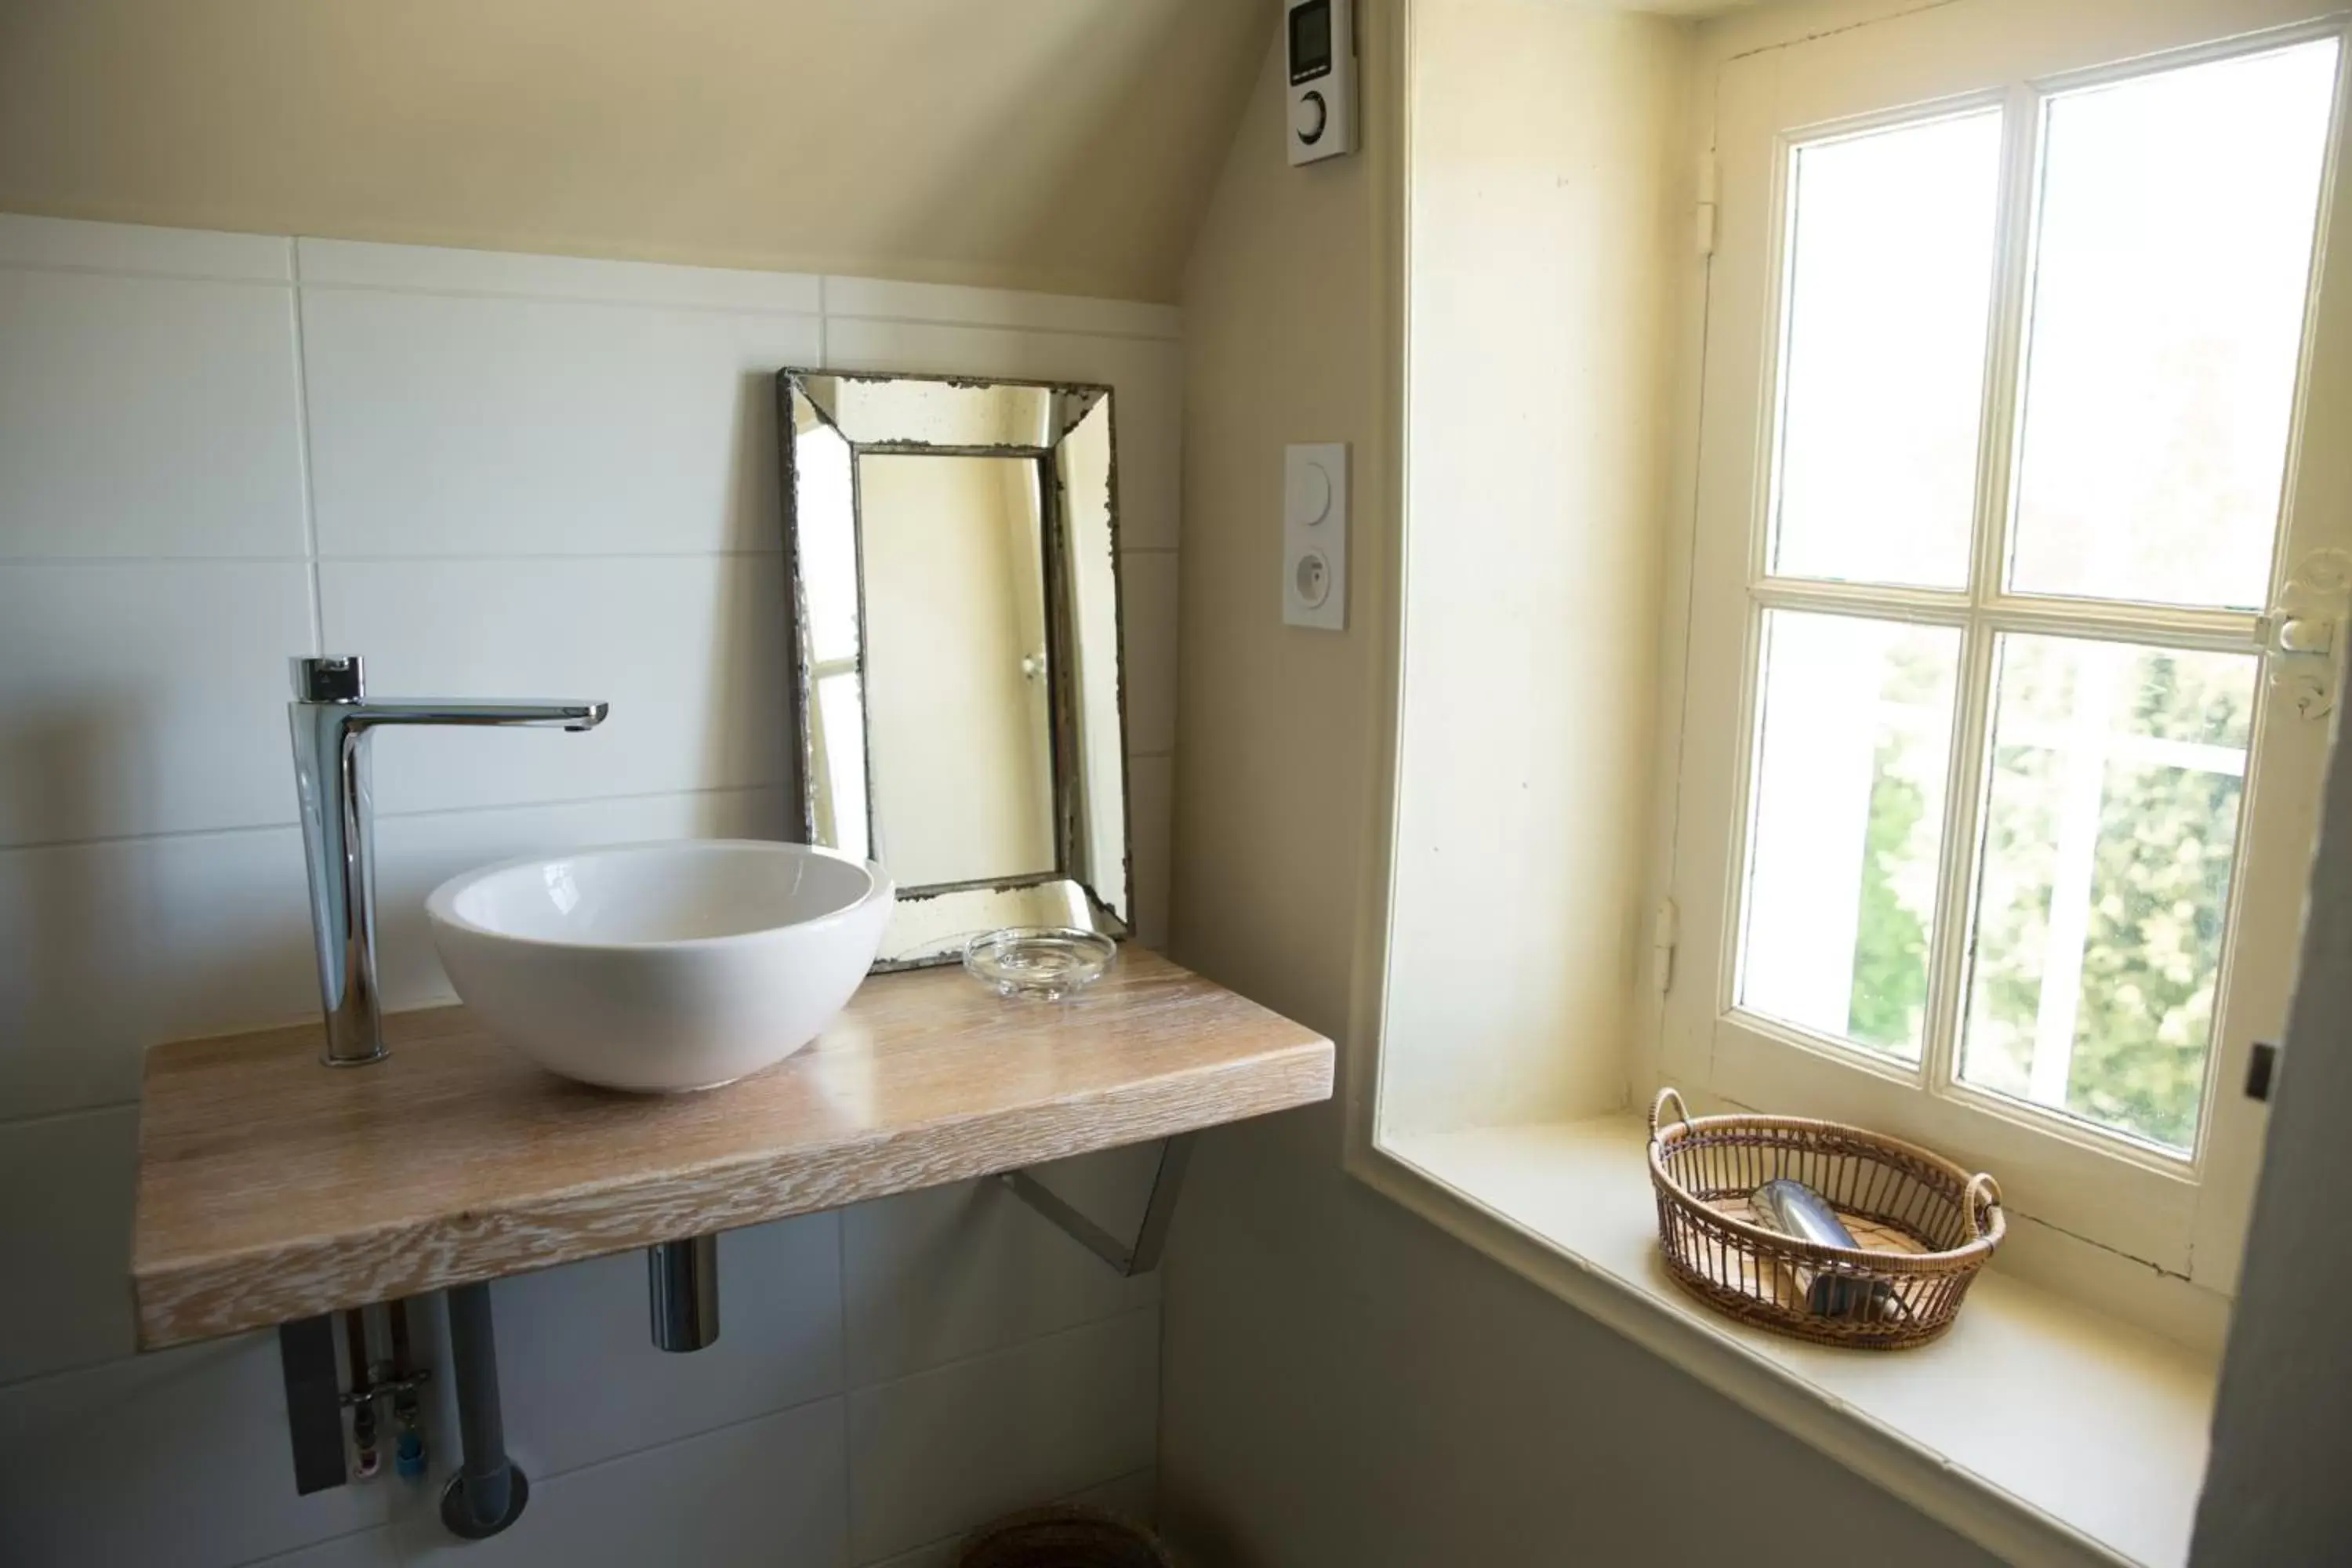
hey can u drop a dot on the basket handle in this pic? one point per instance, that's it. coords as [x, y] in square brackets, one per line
[1980, 1204]
[1682, 1111]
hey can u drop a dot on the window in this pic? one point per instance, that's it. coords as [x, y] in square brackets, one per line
[2008, 821]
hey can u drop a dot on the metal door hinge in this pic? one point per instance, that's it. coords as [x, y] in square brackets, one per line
[1666, 933]
[2303, 634]
[1707, 203]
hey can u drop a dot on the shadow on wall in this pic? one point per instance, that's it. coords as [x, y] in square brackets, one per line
[62, 763]
[754, 475]
[92, 970]
[750, 656]
[214, 924]
[88, 909]
[1127, 76]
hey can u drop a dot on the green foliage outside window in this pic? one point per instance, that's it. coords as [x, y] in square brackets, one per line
[1890, 958]
[2159, 890]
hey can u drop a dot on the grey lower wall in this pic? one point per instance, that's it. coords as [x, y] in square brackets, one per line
[1345, 1386]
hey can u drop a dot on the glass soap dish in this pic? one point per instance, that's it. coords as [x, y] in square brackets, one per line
[1038, 963]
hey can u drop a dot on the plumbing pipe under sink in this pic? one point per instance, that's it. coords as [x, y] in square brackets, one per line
[684, 1281]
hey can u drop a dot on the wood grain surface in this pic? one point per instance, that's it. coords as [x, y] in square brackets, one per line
[271, 1187]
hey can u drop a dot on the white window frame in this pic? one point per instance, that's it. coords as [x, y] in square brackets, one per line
[2183, 1214]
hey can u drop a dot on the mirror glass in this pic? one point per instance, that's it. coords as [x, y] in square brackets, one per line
[955, 575]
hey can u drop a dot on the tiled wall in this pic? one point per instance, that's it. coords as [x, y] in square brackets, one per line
[490, 475]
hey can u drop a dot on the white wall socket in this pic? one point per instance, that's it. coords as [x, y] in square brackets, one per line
[1315, 536]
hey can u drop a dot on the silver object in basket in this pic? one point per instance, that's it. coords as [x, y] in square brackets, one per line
[1794, 1209]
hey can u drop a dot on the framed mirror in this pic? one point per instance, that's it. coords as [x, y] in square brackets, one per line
[957, 697]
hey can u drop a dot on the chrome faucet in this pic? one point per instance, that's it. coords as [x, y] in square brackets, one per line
[333, 717]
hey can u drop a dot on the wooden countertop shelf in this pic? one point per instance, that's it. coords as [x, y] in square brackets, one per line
[272, 1188]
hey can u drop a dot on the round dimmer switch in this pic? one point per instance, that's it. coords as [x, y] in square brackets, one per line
[1309, 497]
[1308, 117]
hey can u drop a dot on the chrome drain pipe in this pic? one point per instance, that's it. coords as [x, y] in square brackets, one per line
[683, 1280]
[489, 1491]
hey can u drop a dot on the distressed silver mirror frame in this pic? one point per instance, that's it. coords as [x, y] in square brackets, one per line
[829, 422]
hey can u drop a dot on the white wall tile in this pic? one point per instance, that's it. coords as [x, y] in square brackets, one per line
[1150, 807]
[1147, 378]
[179, 1457]
[950, 1272]
[29, 241]
[499, 414]
[689, 651]
[443, 269]
[367, 1548]
[108, 948]
[948, 304]
[449, 426]
[582, 1381]
[937, 1453]
[147, 417]
[1132, 1497]
[65, 1224]
[761, 1494]
[145, 697]
[416, 854]
[1148, 627]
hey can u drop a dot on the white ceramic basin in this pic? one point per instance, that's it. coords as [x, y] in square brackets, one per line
[662, 966]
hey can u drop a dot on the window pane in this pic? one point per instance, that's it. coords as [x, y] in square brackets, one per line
[1848, 824]
[2109, 834]
[2172, 268]
[1890, 273]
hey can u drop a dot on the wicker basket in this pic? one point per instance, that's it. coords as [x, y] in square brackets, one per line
[1926, 1226]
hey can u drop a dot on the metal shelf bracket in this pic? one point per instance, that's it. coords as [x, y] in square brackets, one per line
[1149, 1241]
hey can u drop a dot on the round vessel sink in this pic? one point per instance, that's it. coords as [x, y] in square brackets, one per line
[662, 966]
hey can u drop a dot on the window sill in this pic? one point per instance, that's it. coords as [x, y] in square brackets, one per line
[2043, 1431]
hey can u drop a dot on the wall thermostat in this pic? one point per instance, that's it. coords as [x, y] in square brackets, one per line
[1322, 50]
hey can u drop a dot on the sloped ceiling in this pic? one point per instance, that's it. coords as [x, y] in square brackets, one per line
[1060, 144]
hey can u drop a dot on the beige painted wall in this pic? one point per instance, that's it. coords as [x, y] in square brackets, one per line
[1342, 1385]
[1061, 144]
[1550, 239]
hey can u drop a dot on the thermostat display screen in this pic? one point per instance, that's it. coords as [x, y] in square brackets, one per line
[1310, 40]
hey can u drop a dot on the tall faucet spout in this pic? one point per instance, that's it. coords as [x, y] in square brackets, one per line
[369, 713]
[333, 717]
